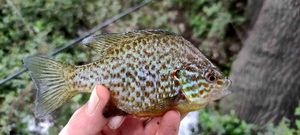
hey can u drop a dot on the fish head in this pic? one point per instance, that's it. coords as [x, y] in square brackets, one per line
[200, 84]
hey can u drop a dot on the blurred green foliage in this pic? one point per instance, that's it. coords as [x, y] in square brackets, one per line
[38, 27]
[210, 18]
[211, 122]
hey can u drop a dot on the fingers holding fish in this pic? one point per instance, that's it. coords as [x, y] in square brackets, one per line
[152, 126]
[169, 124]
[89, 118]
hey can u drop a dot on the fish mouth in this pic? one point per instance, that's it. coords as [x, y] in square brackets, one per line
[227, 82]
[225, 91]
[219, 93]
[226, 85]
[222, 84]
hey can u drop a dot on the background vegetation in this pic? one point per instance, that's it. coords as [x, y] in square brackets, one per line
[38, 27]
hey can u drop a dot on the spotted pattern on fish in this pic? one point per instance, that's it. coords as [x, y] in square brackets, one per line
[144, 88]
[148, 72]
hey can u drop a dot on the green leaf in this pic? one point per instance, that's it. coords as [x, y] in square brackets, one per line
[297, 112]
[298, 124]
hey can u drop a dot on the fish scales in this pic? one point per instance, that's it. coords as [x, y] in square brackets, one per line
[143, 65]
[141, 71]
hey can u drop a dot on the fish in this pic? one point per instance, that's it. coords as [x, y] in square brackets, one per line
[148, 72]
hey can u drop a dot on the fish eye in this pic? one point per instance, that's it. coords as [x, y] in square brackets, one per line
[210, 77]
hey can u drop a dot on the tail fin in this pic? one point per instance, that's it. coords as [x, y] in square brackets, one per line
[52, 80]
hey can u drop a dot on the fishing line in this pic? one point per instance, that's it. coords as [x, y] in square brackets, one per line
[77, 40]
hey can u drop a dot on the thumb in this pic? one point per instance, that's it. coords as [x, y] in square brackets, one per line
[89, 118]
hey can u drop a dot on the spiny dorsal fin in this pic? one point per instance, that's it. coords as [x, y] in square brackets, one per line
[102, 42]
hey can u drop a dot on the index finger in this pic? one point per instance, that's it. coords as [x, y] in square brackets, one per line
[169, 124]
[89, 118]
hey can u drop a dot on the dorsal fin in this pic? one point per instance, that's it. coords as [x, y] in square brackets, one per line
[102, 42]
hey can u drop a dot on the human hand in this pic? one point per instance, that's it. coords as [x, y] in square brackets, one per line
[89, 120]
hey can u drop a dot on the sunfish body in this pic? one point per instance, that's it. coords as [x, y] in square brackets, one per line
[147, 72]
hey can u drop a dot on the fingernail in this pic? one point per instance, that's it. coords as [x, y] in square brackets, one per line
[93, 102]
[115, 122]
